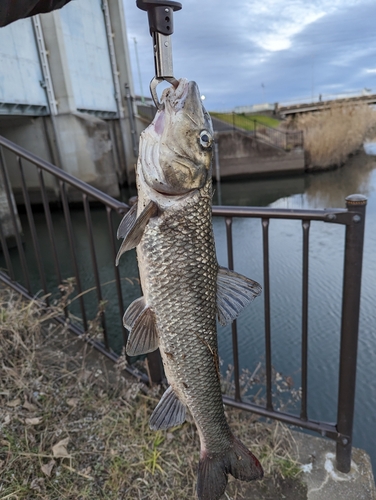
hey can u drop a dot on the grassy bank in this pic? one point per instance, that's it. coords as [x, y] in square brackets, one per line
[72, 426]
[246, 121]
[331, 135]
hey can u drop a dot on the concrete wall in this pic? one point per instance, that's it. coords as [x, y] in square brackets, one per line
[243, 155]
[84, 37]
[90, 136]
[20, 74]
[87, 150]
[33, 134]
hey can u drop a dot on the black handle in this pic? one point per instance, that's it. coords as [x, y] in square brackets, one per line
[160, 14]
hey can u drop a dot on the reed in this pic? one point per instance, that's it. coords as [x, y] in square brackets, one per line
[333, 134]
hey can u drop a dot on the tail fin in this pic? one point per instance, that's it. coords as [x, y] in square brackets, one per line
[213, 470]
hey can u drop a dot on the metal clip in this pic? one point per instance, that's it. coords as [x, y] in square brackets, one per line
[153, 89]
[160, 15]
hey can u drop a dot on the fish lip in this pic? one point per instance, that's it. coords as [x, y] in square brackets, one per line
[176, 197]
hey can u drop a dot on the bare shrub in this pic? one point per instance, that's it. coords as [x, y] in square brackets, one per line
[331, 135]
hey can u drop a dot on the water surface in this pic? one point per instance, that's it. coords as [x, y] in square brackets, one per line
[322, 190]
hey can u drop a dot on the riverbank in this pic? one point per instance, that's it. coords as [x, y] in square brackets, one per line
[73, 426]
[332, 135]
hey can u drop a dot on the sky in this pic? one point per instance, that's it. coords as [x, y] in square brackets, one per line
[251, 52]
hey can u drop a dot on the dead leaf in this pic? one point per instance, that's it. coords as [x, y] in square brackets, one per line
[37, 483]
[72, 402]
[2, 462]
[59, 450]
[29, 406]
[6, 419]
[33, 421]
[14, 403]
[47, 468]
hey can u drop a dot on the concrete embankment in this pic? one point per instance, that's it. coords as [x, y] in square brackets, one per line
[324, 482]
[241, 154]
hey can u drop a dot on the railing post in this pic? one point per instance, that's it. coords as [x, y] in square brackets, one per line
[352, 276]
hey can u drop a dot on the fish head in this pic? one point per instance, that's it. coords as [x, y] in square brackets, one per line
[176, 148]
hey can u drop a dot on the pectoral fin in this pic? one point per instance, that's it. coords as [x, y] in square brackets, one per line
[127, 222]
[234, 292]
[139, 319]
[169, 412]
[132, 228]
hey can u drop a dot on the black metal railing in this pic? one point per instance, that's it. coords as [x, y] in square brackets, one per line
[352, 218]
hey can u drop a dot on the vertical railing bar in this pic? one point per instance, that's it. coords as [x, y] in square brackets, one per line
[266, 293]
[51, 232]
[352, 278]
[303, 405]
[89, 226]
[21, 252]
[33, 231]
[50, 226]
[234, 328]
[68, 223]
[6, 253]
[116, 271]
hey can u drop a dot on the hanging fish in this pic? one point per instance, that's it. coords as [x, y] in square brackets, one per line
[184, 287]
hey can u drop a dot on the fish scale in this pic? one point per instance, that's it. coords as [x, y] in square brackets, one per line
[187, 250]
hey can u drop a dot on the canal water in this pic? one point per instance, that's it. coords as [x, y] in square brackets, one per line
[321, 190]
[311, 191]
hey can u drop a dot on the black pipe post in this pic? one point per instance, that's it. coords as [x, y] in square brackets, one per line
[352, 277]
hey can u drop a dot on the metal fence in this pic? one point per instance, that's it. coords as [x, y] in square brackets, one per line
[352, 218]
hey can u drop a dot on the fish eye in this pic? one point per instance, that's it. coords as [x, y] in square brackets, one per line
[206, 139]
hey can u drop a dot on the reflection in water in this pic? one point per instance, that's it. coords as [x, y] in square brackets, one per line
[328, 189]
[258, 192]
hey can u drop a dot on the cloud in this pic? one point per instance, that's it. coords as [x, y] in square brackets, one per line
[295, 48]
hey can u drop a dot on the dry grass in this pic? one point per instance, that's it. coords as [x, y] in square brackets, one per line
[331, 135]
[73, 427]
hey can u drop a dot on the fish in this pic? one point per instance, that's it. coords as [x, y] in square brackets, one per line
[184, 288]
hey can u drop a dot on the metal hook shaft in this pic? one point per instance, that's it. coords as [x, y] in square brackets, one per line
[153, 89]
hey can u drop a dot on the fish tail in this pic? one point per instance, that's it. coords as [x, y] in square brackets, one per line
[213, 469]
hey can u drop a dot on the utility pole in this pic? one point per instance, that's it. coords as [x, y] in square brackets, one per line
[138, 70]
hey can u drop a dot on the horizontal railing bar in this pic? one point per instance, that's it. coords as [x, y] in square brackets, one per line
[323, 428]
[74, 328]
[119, 206]
[280, 213]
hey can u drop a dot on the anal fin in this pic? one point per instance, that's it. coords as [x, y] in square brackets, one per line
[169, 412]
[132, 228]
[139, 319]
[234, 292]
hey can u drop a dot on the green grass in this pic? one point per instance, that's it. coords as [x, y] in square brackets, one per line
[246, 121]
